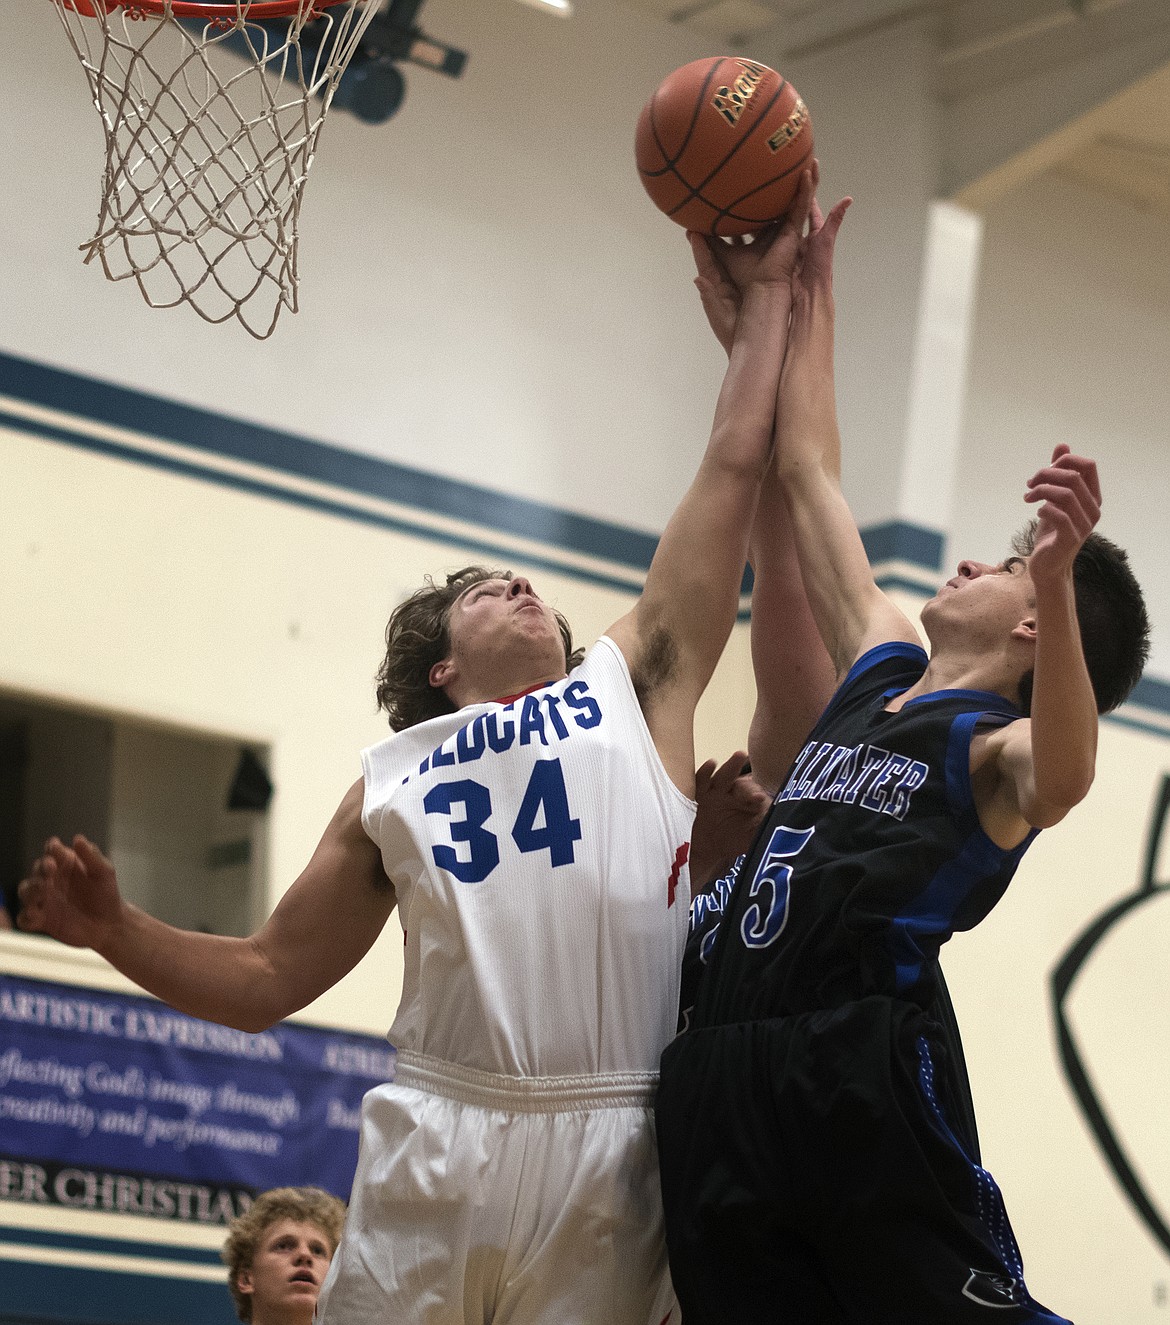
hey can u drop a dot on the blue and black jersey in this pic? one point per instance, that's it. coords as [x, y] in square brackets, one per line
[816, 1138]
[871, 857]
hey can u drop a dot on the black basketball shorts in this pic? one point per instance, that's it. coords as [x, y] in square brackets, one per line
[811, 1177]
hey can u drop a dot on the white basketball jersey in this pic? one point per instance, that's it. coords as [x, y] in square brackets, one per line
[538, 851]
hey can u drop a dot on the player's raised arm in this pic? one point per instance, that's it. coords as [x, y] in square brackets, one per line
[793, 673]
[851, 612]
[673, 637]
[320, 930]
[1048, 763]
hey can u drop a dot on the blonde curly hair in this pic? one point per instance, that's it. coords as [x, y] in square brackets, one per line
[303, 1205]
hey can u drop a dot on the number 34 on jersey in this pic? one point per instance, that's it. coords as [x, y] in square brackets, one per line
[543, 822]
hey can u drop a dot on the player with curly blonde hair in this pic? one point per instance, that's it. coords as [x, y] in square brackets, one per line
[278, 1251]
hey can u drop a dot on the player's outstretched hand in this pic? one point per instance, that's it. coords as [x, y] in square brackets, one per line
[717, 291]
[816, 252]
[1070, 496]
[725, 269]
[71, 894]
[731, 806]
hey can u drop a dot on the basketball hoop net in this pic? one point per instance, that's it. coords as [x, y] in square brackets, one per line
[211, 114]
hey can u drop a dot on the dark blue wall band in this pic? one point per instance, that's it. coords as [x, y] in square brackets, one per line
[110, 1297]
[366, 476]
[236, 439]
[898, 541]
[165, 1251]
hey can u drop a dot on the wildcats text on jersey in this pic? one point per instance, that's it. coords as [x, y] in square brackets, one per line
[536, 717]
[876, 779]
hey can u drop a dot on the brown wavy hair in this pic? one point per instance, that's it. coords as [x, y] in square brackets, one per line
[418, 636]
[303, 1205]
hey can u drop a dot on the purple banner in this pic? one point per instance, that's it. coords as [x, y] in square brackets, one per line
[115, 1102]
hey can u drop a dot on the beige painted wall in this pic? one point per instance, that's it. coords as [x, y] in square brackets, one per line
[545, 341]
[229, 614]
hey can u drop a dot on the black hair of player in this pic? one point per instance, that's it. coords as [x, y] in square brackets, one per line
[1111, 614]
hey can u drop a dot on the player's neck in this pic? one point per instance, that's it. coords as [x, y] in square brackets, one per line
[508, 699]
[298, 1313]
[500, 690]
[988, 673]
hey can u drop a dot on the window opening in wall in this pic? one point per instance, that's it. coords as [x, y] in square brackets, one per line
[182, 814]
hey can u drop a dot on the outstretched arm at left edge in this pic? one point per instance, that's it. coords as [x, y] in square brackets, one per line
[677, 630]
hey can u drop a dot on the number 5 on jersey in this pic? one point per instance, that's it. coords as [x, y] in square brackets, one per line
[543, 822]
[764, 919]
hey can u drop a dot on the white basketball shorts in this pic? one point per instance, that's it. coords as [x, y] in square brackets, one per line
[482, 1199]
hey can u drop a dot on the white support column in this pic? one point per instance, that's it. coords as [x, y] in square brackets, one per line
[939, 371]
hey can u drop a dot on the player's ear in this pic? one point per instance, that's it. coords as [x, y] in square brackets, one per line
[244, 1282]
[1025, 632]
[441, 673]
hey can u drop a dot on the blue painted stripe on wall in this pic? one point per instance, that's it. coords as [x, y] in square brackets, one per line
[898, 541]
[108, 1297]
[1123, 719]
[39, 1237]
[239, 440]
[1152, 694]
[286, 452]
[322, 504]
[887, 583]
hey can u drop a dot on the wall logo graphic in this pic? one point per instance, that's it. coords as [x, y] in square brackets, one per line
[1116, 1146]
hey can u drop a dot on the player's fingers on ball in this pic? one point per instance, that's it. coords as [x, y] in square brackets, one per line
[705, 263]
[802, 204]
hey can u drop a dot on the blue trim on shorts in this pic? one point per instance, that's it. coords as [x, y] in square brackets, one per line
[992, 1212]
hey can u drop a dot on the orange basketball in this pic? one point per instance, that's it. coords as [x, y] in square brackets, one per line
[722, 144]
